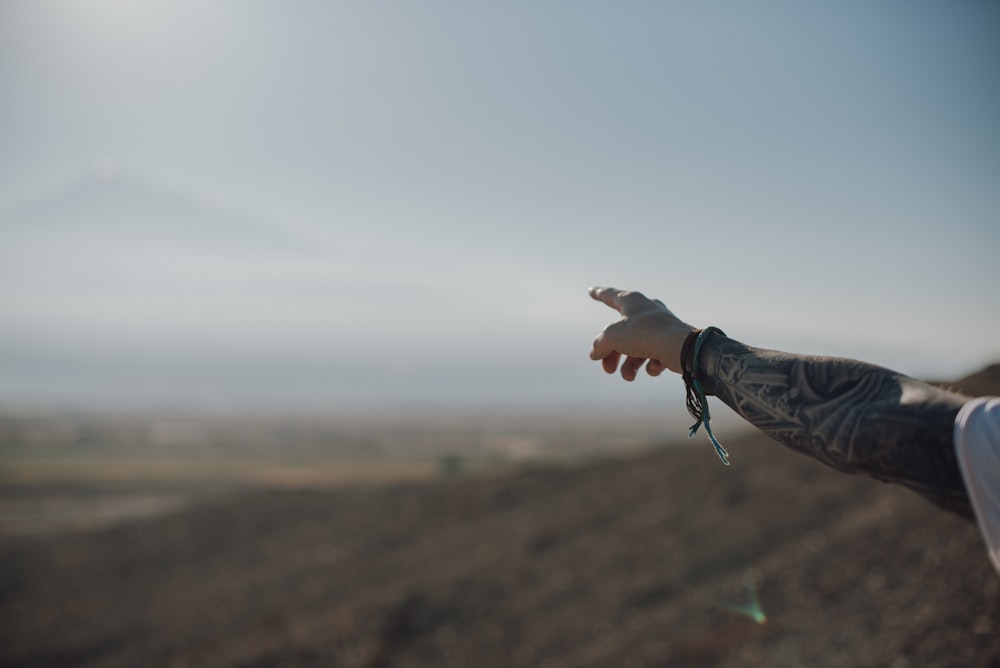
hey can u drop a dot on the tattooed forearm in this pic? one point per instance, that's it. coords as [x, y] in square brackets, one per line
[853, 416]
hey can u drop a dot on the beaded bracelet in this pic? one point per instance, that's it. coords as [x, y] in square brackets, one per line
[697, 403]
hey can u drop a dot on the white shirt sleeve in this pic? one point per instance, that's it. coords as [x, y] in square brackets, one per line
[977, 444]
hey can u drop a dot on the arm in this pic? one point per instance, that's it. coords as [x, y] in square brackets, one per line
[853, 416]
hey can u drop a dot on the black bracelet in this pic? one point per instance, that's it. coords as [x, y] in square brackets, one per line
[696, 400]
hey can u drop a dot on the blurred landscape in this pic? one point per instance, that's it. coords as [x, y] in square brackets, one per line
[470, 540]
[64, 470]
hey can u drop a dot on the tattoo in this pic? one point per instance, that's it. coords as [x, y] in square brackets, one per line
[853, 416]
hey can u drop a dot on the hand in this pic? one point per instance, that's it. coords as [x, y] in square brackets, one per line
[647, 330]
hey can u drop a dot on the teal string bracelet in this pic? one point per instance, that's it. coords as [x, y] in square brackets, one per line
[697, 402]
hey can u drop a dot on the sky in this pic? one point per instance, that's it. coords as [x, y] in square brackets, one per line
[404, 203]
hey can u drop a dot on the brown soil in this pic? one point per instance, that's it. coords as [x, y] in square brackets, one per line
[623, 562]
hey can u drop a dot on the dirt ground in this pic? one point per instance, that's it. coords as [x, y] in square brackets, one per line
[664, 558]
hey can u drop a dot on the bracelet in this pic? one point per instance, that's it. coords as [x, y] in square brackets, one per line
[697, 402]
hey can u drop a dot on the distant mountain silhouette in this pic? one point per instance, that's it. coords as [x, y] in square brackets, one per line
[99, 238]
[115, 290]
[125, 211]
[112, 285]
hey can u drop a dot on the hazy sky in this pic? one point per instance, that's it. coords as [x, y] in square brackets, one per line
[821, 177]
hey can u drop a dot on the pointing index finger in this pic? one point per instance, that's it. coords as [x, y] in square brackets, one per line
[609, 296]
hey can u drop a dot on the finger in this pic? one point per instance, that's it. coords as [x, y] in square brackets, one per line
[604, 342]
[601, 348]
[625, 302]
[610, 363]
[609, 296]
[655, 368]
[631, 367]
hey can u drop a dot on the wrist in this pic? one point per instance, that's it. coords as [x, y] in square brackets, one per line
[686, 360]
[674, 340]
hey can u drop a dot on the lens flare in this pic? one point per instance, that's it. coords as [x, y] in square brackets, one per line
[752, 579]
